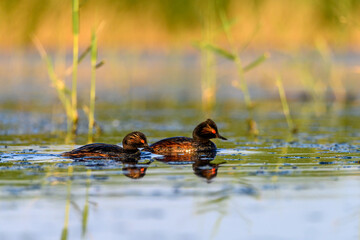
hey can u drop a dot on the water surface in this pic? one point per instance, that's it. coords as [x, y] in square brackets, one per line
[274, 186]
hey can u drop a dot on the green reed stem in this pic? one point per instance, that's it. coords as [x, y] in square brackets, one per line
[61, 89]
[256, 62]
[93, 86]
[64, 234]
[285, 105]
[75, 20]
[243, 86]
[59, 86]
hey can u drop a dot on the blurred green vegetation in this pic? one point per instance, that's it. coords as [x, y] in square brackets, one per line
[176, 23]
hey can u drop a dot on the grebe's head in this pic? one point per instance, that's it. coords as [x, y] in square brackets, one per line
[206, 130]
[135, 140]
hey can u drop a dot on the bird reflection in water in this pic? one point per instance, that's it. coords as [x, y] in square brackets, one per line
[205, 169]
[201, 163]
[132, 168]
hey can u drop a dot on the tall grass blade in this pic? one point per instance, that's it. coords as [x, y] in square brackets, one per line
[93, 86]
[84, 54]
[62, 91]
[75, 21]
[69, 70]
[334, 75]
[220, 51]
[97, 127]
[242, 83]
[256, 62]
[285, 105]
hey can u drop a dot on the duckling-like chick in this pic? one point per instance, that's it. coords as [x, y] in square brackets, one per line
[131, 143]
[198, 143]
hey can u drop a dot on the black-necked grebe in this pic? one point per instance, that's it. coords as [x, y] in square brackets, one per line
[131, 143]
[200, 141]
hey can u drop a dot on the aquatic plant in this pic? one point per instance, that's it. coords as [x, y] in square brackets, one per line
[75, 31]
[285, 106]
[233, 55]
[69, 98]
[332, 74]
[327, 87]
[93, 86]
[90, 111]
[62, 91]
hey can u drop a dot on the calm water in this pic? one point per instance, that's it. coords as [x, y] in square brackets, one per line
[275, 186]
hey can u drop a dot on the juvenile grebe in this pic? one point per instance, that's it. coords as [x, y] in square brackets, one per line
[131, 143]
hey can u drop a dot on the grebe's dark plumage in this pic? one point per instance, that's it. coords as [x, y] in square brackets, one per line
[131, 143]
[200, 141]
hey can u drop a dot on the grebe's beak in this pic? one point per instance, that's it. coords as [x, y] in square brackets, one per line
[221, 137]
[147, 148]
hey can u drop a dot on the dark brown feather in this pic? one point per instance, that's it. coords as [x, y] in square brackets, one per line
[99, 150]
[181, 144]
[131, 143]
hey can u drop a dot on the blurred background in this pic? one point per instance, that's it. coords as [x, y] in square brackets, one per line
[164, 25]
[161, 52]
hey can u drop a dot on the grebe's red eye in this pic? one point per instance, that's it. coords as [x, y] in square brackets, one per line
[142, 141]
[213, 131]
